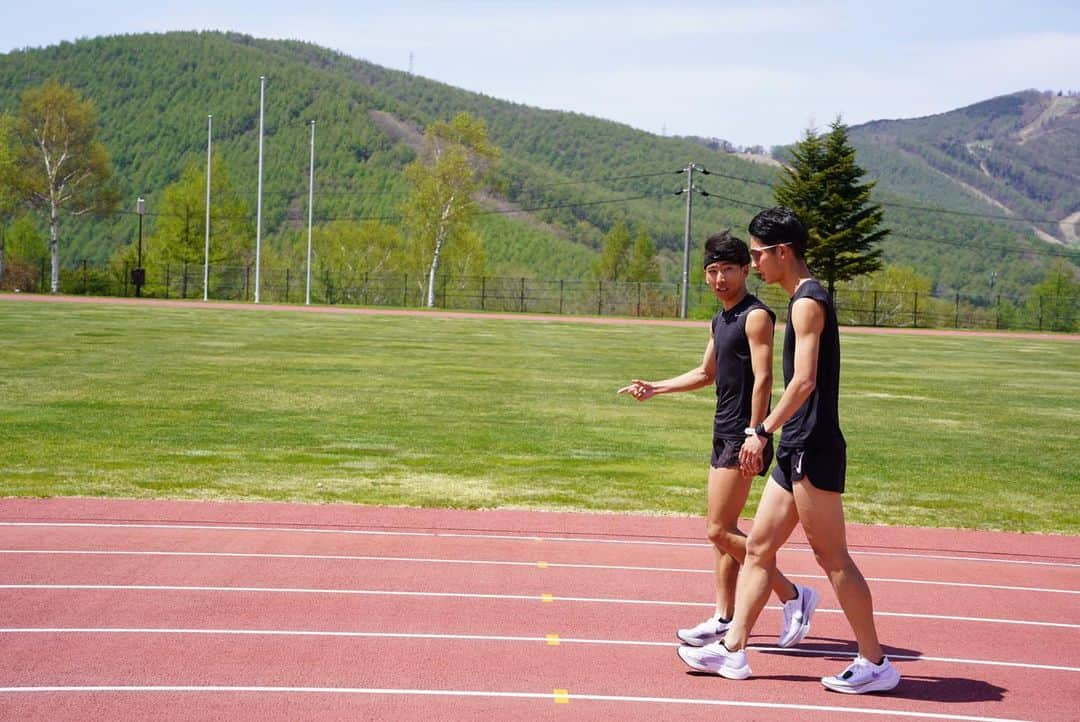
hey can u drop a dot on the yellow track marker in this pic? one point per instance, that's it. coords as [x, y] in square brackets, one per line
[562, 696]
[547, 597]
[542, 565]
[553, 640]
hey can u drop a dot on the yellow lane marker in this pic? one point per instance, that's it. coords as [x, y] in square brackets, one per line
[562, 696]
[553, 640]
[547, 597]
[542, 565]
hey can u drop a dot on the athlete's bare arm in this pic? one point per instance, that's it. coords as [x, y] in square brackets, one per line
[696, 378]
[808, 321]
[759, 335]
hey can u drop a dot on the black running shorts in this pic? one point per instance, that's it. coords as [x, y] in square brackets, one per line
[824, 464]
[725, 454]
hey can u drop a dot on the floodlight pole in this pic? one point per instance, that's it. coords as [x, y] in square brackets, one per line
[310, 208]
[258, 201]
[206, 253]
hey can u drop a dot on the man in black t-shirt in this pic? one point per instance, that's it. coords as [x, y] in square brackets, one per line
[808, 480]
[738, 361]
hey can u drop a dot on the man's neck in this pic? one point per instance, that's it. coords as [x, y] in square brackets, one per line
[728, 305]
[796, 275]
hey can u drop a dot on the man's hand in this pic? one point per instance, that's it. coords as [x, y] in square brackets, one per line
[750, 455]
[640, 390]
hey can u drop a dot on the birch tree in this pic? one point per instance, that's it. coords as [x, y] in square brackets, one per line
[441, 208]
[58, 162]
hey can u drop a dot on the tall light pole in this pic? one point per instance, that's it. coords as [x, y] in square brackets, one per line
[206, 253]
[258, 201]
[310, 207]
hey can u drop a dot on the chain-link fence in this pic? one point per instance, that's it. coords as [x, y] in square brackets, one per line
[898, 309]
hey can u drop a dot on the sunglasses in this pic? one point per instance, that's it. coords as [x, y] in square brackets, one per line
[755, 253]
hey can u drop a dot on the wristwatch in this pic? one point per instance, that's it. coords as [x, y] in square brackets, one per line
[758, 430]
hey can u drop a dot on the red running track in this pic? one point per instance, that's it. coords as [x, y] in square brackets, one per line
[184, 610]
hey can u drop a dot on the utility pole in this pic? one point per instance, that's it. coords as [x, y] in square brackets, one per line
[689, 191]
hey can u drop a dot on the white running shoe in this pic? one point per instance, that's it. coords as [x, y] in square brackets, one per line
[797, 615]
[717, 659]
[711, 630]
[863, 676]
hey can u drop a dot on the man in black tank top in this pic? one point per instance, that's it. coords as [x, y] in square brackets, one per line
[738, 361]
[808, 480]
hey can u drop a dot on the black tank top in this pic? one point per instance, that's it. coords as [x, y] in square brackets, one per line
[734, 372]
[818, 419]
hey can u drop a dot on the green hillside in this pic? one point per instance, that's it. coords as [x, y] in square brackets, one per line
[1016, 155]
[581, 174]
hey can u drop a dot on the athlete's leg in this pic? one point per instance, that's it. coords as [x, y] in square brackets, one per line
[775, 520]
[727, 494]
[822, 516]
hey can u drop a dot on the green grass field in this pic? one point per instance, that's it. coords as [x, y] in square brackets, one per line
[99, 400]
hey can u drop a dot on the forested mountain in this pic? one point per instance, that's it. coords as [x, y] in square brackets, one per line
[1020, 153]
[577, 175]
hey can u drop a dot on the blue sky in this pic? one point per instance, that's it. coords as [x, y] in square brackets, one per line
[749, 72]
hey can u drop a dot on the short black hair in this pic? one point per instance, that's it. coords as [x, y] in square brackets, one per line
[723, 247]
[780, 225]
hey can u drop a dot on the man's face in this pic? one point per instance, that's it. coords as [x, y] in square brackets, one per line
[764, 260]
[727, 280]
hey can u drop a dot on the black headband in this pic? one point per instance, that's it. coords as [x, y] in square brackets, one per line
[712, 257]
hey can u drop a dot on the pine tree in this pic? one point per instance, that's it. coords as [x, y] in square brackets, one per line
[643, 265]
[822, 186]
[612, 264]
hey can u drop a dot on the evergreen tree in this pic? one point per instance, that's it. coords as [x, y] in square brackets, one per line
[643, 265]
[8, 199]
[613, 261]
[1055, 301]
[822, 186]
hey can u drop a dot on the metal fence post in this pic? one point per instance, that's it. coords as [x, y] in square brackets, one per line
[405, 290]
[168, 279]
[875, 309]
[599, 298]
[915, 312]
[287, 285]
[483, 292]
[1040, 312]
[997, 309]
[560, 295]
[956, 322]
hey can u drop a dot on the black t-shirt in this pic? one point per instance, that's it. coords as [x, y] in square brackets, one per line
[734, 371]
[818, 419]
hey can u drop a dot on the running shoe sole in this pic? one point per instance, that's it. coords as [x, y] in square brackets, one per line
[728, 672]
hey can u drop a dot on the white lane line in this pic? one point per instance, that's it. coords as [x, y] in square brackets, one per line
[546, 696]
[463, 595]
[502, 638]
[505, 537]
[554, 565]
